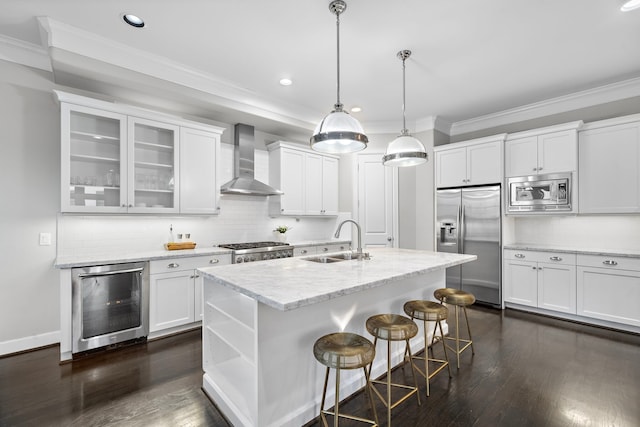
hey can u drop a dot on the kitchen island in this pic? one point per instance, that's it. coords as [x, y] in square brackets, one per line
[261, 320]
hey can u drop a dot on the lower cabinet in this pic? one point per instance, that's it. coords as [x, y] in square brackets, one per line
[175, 291]
[609, 288]
[544, 280]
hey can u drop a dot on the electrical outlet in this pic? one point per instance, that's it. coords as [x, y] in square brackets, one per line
[45, 239]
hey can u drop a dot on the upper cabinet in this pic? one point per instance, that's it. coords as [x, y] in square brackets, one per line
[610, 166]
[117, 159]
[309, 181]
[473, 162]
[541, 151]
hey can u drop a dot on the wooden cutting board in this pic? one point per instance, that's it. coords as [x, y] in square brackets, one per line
[174, 246]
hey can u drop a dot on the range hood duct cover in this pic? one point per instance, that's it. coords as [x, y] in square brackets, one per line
[244, 182]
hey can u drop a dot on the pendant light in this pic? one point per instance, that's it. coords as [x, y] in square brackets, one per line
[405, 150]
[338, 132]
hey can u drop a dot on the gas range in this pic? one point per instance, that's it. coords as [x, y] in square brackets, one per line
[258, 251]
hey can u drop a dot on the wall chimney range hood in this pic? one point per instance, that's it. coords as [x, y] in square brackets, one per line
[244, 182]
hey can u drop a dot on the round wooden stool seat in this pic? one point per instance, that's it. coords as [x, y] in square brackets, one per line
[344, 350]
[454, 296]
[430, 311]
[391, 327]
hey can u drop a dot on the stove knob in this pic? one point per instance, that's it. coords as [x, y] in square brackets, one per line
[239, 260]
[290, 253]
[278, 254]
[265, 256]
[252, 258]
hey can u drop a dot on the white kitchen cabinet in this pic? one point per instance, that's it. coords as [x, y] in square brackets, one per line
[308, 180]
[120, 159]
[545, 280]
[199, 183]
[320, 249]
[175, 291]
[609, 288]
[610, 166]
[542, 151]
[472, 162]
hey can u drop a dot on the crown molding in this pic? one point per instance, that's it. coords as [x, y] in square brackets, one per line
[586, 98]
[24, 53]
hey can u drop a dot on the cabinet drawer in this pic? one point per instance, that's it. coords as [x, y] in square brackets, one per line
[322, 249]
[188, 263]
[612, 262]
[304, 251]
[561, 258]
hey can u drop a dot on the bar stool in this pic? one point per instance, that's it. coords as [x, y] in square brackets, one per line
[393, 327]
[429, 311]
[458, 298]
[344, 350]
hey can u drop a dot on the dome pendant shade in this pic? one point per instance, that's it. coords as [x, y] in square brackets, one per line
[405, 150]
[338, 132]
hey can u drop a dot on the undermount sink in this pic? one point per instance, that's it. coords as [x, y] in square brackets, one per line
[327, 259]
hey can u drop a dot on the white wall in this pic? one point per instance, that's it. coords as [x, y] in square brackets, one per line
[30, 171]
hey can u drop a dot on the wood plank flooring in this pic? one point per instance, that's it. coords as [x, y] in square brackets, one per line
[528, 370]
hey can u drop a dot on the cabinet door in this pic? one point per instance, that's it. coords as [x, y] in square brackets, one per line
[313, 184]
[292, 176]
[609, 161]
[558, 152]
[609, 295]
[171, 300]
[93, 160]
[330, 172]
[199, 151]
[451, 168]
[521, 283]
[484, 163]
[153, 159]
[521, 156]
[557, 287]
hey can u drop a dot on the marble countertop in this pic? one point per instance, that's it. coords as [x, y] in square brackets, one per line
[122, 256]
[573, 250]
[290, 283]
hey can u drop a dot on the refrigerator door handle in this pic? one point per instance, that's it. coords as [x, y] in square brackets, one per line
[461, 228]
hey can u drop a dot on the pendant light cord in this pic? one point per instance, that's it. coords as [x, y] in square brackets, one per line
[404, 91]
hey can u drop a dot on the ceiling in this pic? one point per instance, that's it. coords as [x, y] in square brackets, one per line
[470, 58]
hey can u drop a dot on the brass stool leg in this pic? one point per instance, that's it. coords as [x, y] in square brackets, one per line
[324, 395]
[426, 356]
[464, 309]
[413, 371]
[336, 410]
[370, 394]
[444, 346]
[389, 382]
[457, 337]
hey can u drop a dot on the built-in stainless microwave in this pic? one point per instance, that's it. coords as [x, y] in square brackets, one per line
[540, 193]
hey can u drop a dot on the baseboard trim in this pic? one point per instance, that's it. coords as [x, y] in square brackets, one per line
[29, 343]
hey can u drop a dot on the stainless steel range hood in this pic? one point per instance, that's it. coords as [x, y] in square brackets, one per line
[244, 182]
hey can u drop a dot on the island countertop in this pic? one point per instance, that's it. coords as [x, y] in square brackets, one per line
[291, 283]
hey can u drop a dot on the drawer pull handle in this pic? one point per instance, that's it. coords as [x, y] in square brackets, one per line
[610, 262]
[173, 265]
[519, 255]
[555, 258]
[304, 251]
[214, 261]
[325, 249]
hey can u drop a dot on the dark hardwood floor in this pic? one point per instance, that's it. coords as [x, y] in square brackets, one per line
[528, 370]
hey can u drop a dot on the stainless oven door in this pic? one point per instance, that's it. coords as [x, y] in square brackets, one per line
[110, 304]
[540, 193]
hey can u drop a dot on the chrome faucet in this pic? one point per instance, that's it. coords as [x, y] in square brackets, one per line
[359, 253]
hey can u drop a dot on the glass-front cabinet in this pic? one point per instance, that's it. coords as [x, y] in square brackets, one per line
[117, 163]
[95, 147]
[153, 162]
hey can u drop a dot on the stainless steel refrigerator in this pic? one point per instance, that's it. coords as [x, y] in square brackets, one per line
[469, 222]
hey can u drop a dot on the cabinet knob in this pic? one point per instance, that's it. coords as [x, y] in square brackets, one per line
[555, 258]
[610, 262]
[534, 267]
[325, 249]
[304, 251]
[519, 255]
[214, 261]
[173, 265]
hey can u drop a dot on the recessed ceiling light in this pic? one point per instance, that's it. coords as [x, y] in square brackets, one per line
[133, 20]
[630, 5]
[356, 109]
[286, 82]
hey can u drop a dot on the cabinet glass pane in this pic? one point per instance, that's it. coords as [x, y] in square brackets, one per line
[94, 160]
[154, 160]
